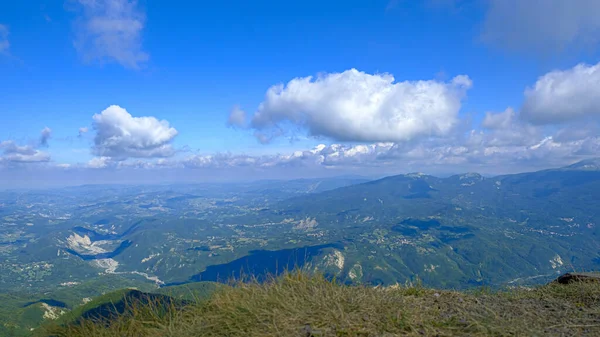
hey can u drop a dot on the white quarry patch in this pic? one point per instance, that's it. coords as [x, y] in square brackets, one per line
[356, 272]
[391, 287]
[306, 224]
[313, 187]
[109, 265]
[339, 259]
[154, 279]
[556, 262]
[83, 244]
[69, 284]
[335, 258]
[431, 268]
[51, 312]
[86, 300]
[146, 259]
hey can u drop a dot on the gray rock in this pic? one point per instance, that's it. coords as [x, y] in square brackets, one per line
[578, 277]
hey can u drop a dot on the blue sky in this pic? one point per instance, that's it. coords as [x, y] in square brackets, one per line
[190, 63]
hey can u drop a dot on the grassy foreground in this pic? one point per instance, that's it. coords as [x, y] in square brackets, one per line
[297, 304]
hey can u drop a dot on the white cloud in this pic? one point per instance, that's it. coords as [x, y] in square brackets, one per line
[99, 162]
[121, 136]
[513, 148]
[13, 153]
[237, 117]
[561, 96]
[504, 129]
[82, 131]
[110, 31]
[542, 26]
[501, 120]
[321, 155]
[4, 44]
[356, 106]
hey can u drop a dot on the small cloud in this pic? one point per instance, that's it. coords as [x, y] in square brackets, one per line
[237, 118]
[392, 4]
[120, 135]
[13, 153]
[82, 131]
[4, 43]
[45, 135]
[262, 138]
[501, 120]
[99, 162]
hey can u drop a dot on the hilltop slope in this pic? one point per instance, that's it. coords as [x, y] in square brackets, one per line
[300, 305]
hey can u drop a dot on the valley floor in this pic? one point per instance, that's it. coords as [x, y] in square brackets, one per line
[301, 305]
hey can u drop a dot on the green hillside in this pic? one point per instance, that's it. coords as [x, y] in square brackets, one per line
[22, 313]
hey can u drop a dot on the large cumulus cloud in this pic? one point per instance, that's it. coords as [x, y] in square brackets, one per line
[119, 135]
[356, 106]
[564, 95]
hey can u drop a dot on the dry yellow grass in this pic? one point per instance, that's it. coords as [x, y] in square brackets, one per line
[298, 304]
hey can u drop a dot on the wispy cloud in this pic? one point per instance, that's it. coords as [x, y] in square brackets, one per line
[110, 31]
[542, 26]
[82, 131]
[45, 136]
[237, 118]
[4, 43]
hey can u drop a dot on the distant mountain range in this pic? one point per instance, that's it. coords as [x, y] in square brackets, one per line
[65, 246]
[464, 229]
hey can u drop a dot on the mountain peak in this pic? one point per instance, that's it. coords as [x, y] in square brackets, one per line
[592, 164]
[415, 175]
[470, 175]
